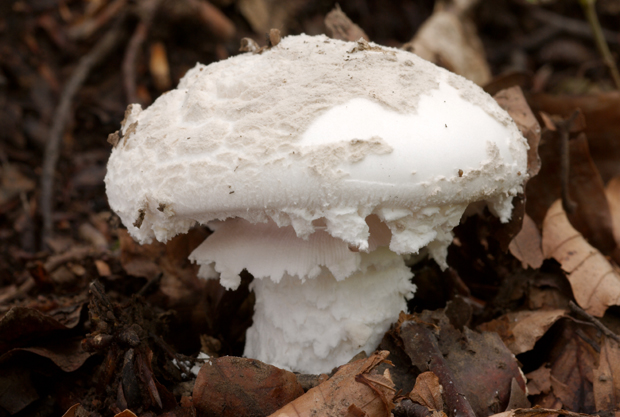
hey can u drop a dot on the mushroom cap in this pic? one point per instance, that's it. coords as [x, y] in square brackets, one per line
[317, 128]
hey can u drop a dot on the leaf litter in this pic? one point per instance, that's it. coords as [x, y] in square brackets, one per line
[93, 324]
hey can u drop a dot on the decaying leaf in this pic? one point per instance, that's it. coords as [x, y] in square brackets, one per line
[538, 412]
[427, 391]
[513, 101]
[572, 360]
[521, 330]
[527, 245]
[232, 386]
[475, 370]
[612, 191]
[602, 114]
[595, 282]
[449, 38]
[347, 392]
[539, 381]
[339, 26]
[606, 379]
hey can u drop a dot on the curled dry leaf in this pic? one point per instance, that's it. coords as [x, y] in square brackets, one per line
[428, 391]
[521, 330]
[594, 280]
[607, 377]
[353, 389]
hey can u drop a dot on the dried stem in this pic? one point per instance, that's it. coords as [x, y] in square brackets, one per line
[580, 312]
[61, 116]
[590, 11]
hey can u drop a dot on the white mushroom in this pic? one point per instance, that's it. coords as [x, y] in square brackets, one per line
[318, 163]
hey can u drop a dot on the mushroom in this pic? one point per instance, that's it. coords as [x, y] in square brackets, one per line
[318, 163]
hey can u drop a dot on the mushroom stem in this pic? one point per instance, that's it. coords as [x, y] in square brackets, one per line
[317, 303]
[314, 325]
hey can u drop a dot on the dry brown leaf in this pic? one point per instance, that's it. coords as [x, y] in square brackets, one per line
[475, 370]
[612, 191]
[449, 38]
[607, 377]
[126, 413]
[427, 391]
[513, 101]
[237, 387]
[595, 282]
[602, 113]
[336, 396]
[572, 361]
[339, 26]
[521, 330]
[539, 381]
[538, 412]
[527, 245]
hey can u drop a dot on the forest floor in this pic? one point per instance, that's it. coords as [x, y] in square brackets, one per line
[92, 323]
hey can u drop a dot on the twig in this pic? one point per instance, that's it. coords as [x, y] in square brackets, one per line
[428, 356]
[170, 352]
[564, 127]
[573, 26]
[579, 311]
[150, 284]
[61, 116]
[131, 54]
[590, 12]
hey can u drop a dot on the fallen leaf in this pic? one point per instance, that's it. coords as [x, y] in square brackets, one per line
[595, 282]
[427, 391]
[572, 361]
[539, 381]
[231, 386]
[449, 38]
[602, 114]
[526, 245]
[126, 413]
[71, 411]
[339, 26]
[103, 269]
[607, 377]
[13, 183]
[591, 217]
[16, 389]
[513, 101]
[539, 412]
[612, 191]
[67, 354]
[21, 325]
[521, 330]
[475, 370]
[343, 390]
